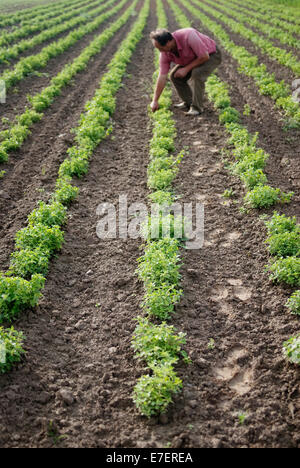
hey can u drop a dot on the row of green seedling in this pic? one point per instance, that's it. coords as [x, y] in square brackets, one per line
[284, 246]
[38, 12]
[30, 64]
[37, 26]
[248, 65]
[158, 345]
[287, 59]
[250, 161]
[13, 138]
[21, 286]
[258, 21]
[283, 14]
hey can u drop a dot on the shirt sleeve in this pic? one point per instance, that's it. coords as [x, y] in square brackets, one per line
[164, 64]
[196, 44]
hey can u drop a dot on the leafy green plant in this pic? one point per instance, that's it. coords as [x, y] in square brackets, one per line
[65, 192]
[242, 417]
[279, 224]
[157, 344]
[228, 193]
[160, 226]
[153, 394]
[286, 270]
[253, 177]
[48, 239]
[284, 244]
[49, 215]
[293, 304]
[291, 349]
[159, 301]
[247, 110]
[160, 263]
[17, 293]
[11, 348]
[211, 344]
[25, 263]
[264, 196]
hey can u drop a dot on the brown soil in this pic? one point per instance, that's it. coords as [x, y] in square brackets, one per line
[74, 387]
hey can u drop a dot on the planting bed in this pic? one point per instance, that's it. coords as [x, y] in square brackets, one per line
[73, 387]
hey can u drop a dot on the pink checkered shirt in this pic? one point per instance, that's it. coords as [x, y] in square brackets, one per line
[191, 44]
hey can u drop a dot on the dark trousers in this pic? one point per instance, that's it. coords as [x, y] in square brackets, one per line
[193, 94]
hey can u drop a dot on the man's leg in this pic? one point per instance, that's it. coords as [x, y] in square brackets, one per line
[199, 76]
[181, 85]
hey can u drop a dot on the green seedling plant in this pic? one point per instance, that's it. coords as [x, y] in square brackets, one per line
[17, 293]
[285, 270]
[285, 244]
[157, 344]
[291, 349]
[228, 193]
[11, 348]
[154, 393]
[293, 304]
[264, 196]
[25, 263]
[211, 344]
[242, 417]
[280, 224]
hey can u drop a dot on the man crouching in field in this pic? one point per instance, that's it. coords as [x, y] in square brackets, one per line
[195, 55]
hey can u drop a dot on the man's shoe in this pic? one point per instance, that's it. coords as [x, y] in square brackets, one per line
[182, 105]
[193, 111]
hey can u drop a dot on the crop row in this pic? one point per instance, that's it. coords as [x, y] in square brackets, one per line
[278, 12]
[248, 65]
[38, 61]
[31, 14]
[159, 345]
[249, 160]
[250, 163]
[16, 134]
[42, 25]
[258, 21]
[284, 245]
[287, 59]
[36, 243]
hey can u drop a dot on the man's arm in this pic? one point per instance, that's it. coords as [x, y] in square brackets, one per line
[160, 86]
[183, 71]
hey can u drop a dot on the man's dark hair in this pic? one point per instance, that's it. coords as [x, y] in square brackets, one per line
[162, 36]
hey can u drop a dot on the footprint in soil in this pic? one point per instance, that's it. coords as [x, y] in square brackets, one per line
[230, 238]
[238, 379]
[220, 293]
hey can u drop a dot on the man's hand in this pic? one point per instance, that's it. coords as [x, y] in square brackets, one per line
[181, 73]
[154, 106]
